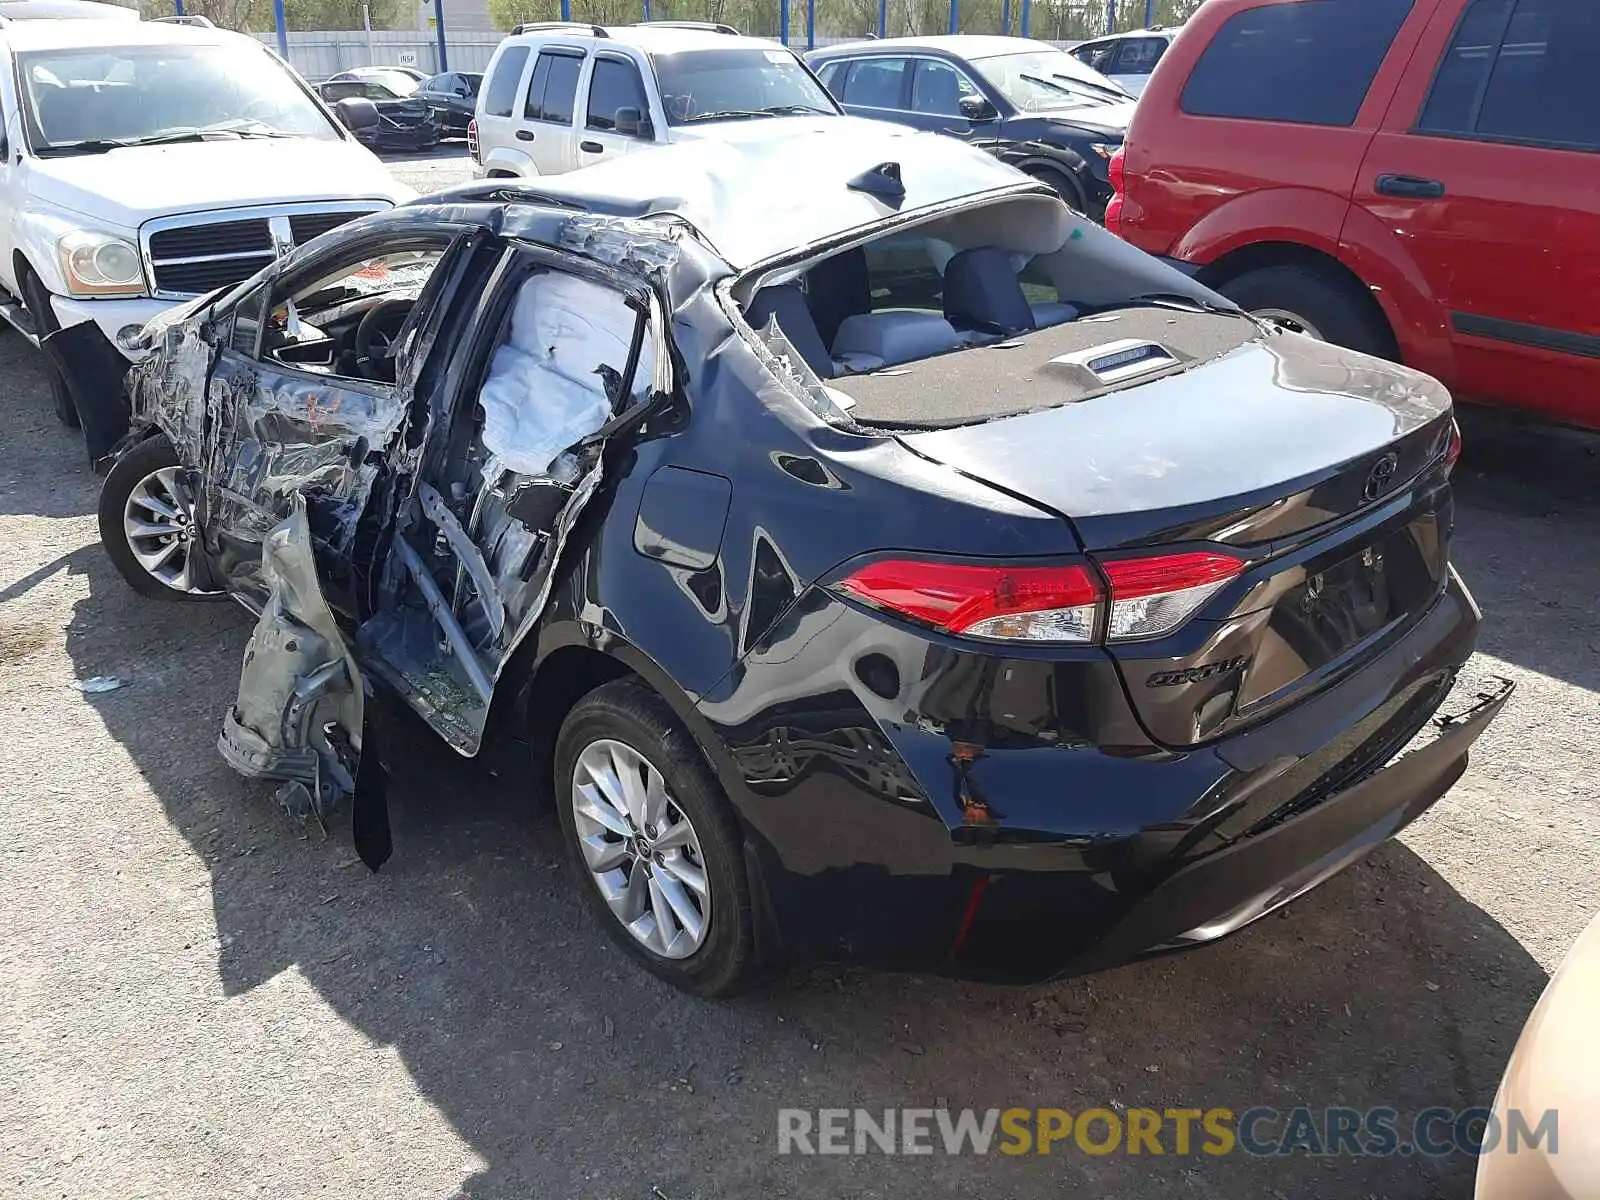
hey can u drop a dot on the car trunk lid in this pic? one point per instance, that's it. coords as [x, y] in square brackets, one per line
[1319, 468]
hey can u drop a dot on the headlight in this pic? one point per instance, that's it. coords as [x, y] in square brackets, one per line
[98, 264]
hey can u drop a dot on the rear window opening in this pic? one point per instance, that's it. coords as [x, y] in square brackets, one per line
[1023, 303]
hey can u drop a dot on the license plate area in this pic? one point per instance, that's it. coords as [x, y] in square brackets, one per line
[1345, 600]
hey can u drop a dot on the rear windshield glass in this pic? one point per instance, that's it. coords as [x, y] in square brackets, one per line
[1310, 63]
[502, 93]
[712, 85]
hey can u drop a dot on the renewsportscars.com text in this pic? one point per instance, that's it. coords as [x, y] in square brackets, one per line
[1260, 1132]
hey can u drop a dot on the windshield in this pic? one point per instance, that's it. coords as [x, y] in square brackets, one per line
[708, 85]
[88, 101]
[1045, 79]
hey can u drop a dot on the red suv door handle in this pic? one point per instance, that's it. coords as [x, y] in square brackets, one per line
[1410, 187]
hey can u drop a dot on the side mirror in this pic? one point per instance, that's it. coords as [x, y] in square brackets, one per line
[461, 91]
[633, 123]
[356, 112]
[977, 109]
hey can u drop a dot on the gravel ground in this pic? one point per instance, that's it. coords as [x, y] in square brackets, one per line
[201, 998]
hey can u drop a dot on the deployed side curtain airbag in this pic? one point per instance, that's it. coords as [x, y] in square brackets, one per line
[546, 389]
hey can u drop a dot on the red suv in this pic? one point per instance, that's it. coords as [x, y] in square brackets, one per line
[1415, 178]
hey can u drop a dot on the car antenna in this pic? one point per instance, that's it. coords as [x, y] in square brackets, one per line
[882, 181]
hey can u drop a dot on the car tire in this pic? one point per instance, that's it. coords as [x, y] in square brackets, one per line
[149, 474]
[628, 729]
[37, 301]
[1314, 302]
[1063, 185]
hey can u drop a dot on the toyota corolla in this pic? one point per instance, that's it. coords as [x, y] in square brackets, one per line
[882, 561]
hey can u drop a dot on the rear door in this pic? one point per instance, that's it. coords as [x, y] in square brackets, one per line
[499, 112]
[1488, 165]
[554, 356]
[879, 86]
[1285, 97]
[1136, 58]
[614, 86]
[547, 133]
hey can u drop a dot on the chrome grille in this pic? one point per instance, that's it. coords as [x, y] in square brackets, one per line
[314, 225]
[191, 255]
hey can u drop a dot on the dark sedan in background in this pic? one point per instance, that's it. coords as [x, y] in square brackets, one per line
[453, 96]
[1029, 104]
[405, 119]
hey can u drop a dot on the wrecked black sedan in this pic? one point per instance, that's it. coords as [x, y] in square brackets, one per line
[881, 560]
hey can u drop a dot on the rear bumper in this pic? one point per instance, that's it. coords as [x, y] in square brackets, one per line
[1230, 888]
[929, 809]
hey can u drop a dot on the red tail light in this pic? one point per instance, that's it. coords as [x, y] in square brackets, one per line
[1452, 449]
[1035, 604]
[1117, 173]
[1149, 596]
[1153, 596]
[472, 139]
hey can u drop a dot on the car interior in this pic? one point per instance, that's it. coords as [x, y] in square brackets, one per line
[919, 326]
[349, 323]
[974, 278]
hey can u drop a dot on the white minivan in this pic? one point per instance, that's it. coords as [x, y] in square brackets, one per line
[560, 95]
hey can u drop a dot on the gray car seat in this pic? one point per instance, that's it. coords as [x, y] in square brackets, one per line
[982, 293]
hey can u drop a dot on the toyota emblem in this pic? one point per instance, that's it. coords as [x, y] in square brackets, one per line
[1381, 477]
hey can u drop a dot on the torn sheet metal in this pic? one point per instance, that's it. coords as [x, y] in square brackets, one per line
[640, 244]
[546, 388]
[298, 716]
[168, 387]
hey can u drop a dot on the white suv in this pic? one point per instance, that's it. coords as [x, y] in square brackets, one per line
[142, 164]
[562, 95]
[1128, 58]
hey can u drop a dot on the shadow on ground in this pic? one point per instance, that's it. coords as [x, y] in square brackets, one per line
[572, 1074]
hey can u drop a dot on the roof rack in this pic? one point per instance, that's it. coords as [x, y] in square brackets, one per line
[194, 19]
[598, 31]
[703, 26]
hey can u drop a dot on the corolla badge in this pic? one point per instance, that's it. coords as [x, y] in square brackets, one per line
[1196, 674]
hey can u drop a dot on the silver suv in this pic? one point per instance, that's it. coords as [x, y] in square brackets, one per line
[562, 95]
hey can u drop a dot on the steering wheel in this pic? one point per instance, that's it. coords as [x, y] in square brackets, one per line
[380, 325]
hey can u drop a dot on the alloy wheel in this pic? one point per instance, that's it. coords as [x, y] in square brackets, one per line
[1291, 321]
[158, 520]
[640, 849]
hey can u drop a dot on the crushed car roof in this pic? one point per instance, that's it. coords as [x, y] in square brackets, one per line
[755, 196]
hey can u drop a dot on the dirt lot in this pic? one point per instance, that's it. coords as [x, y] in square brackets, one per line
[200, 998]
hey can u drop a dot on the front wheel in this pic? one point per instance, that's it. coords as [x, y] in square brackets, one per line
[654, 840]
[147, 524]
